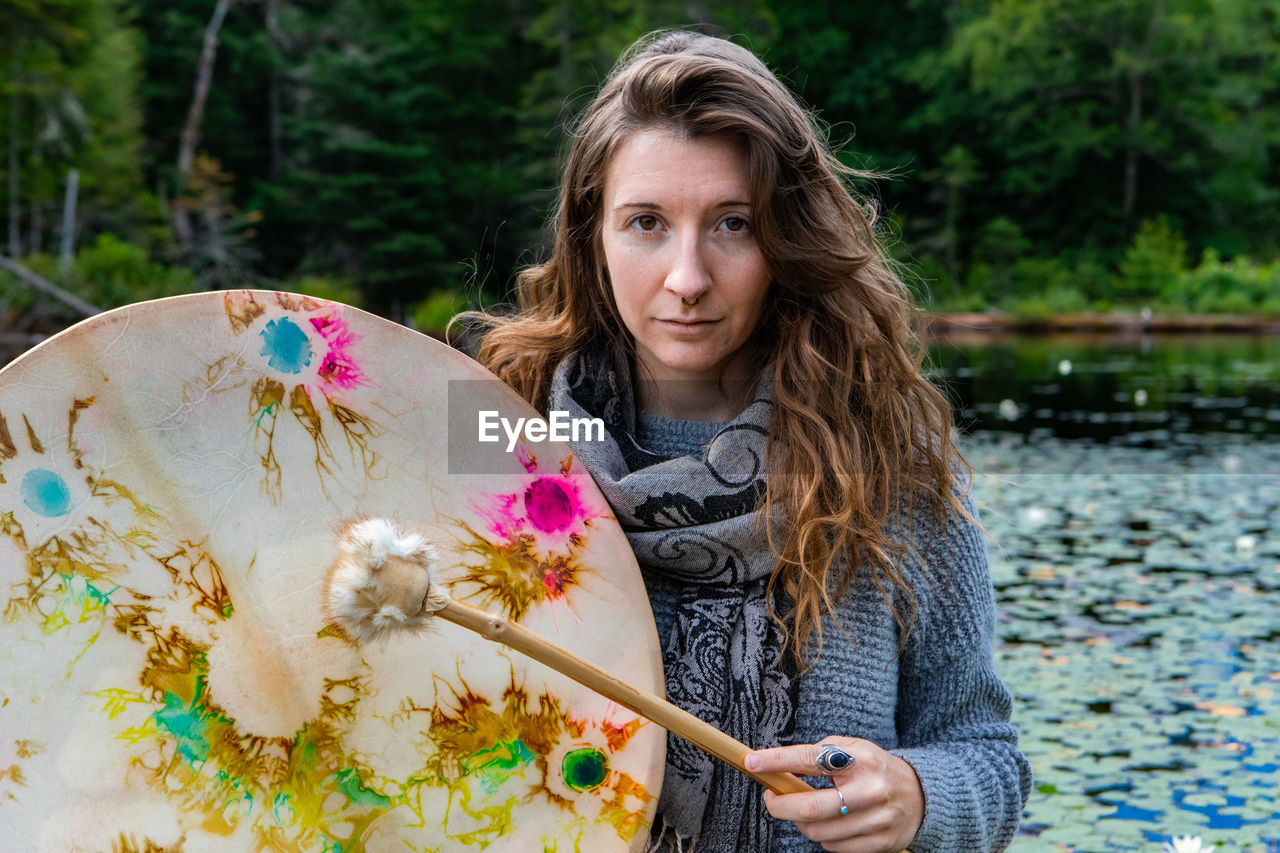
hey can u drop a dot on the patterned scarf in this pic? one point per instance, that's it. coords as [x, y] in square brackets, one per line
[695, 522]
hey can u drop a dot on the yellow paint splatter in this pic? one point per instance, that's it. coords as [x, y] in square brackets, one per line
[512, 576]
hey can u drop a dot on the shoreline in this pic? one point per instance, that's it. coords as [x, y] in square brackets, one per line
[991, 324]
[977, 326]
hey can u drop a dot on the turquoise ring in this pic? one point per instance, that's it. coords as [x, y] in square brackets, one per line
[843, 808]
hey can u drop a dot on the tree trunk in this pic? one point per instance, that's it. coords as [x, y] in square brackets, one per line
[15, 209]
[273, 91]
[68, 251]
[1133, 126]
[35, 228]
[1131, 150]
[191, 130]
[564, 69]
[951, 255]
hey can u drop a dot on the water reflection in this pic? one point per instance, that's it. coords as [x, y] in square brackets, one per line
[1139, 391]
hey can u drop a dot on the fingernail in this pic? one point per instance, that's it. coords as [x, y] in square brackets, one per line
[753, 762]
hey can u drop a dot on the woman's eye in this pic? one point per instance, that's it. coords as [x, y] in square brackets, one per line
[645, 223]
[736, 224]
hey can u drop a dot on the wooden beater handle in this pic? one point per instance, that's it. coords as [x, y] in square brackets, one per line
[706, 737]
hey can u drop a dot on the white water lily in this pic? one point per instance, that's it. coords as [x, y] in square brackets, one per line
[1036, 515]
[1188, 844]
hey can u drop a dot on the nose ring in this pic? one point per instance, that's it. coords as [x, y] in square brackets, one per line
[686, 303]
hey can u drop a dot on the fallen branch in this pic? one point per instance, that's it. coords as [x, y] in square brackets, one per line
[48, 287]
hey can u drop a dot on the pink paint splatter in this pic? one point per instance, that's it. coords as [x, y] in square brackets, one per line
[504, 523]
[550, 505]
[554, 582]
[549, 514]
[338, 367]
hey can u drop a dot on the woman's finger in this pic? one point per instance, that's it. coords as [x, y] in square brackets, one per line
[874, 805]
[812, 806]
[854, 797]
[831, 756]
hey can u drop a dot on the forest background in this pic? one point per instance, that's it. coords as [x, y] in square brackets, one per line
[1043, 156]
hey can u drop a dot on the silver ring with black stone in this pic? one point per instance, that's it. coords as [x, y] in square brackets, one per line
[832, 759]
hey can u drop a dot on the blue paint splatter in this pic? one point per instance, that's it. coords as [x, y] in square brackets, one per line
[286, 346]
[46, 493]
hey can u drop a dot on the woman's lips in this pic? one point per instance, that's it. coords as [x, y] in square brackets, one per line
[687, 327]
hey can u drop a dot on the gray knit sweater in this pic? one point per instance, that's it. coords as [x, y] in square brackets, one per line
[939, 705]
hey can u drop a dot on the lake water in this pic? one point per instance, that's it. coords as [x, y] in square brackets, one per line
[1132, 489]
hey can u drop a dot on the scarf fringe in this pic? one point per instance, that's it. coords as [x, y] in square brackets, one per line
[678, 843]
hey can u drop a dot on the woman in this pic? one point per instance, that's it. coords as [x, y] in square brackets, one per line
[785, 473]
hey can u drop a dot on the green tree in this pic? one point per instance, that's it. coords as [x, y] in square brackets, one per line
[1153, 263]
[1093, 114]
[394, 152]
[71, 104]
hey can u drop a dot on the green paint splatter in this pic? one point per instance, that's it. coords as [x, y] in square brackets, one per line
[495, 765]
[282, 811]
[584, 769]
[350, 786]
[98, 595]
[267, 411]
[186, 723]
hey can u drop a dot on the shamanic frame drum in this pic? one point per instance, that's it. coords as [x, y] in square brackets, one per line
[173, 475]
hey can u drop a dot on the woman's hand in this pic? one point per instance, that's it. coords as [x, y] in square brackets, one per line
[884, 799]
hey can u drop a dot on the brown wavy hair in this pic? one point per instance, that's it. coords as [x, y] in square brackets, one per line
[858, 432]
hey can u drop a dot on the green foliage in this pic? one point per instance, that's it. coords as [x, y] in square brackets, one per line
[326, 287]
[1235, 287]
[1152, 274]
[1090, 276]
[1153, 262]
[999, 246]
[111, 273]
[236, 126]
[1041, 150]
[72, 103]
[110, 163]
[931, 282]
[1090, 115]
[434, 313]
[1057, 300]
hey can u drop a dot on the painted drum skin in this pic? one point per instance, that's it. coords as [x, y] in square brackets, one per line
[172, 477]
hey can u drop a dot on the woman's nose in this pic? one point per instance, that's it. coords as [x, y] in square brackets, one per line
[689, 276]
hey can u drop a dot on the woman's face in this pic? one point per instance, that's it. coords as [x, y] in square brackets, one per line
[679, 243]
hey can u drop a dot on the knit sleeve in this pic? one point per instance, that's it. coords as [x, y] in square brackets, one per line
[953, 710]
